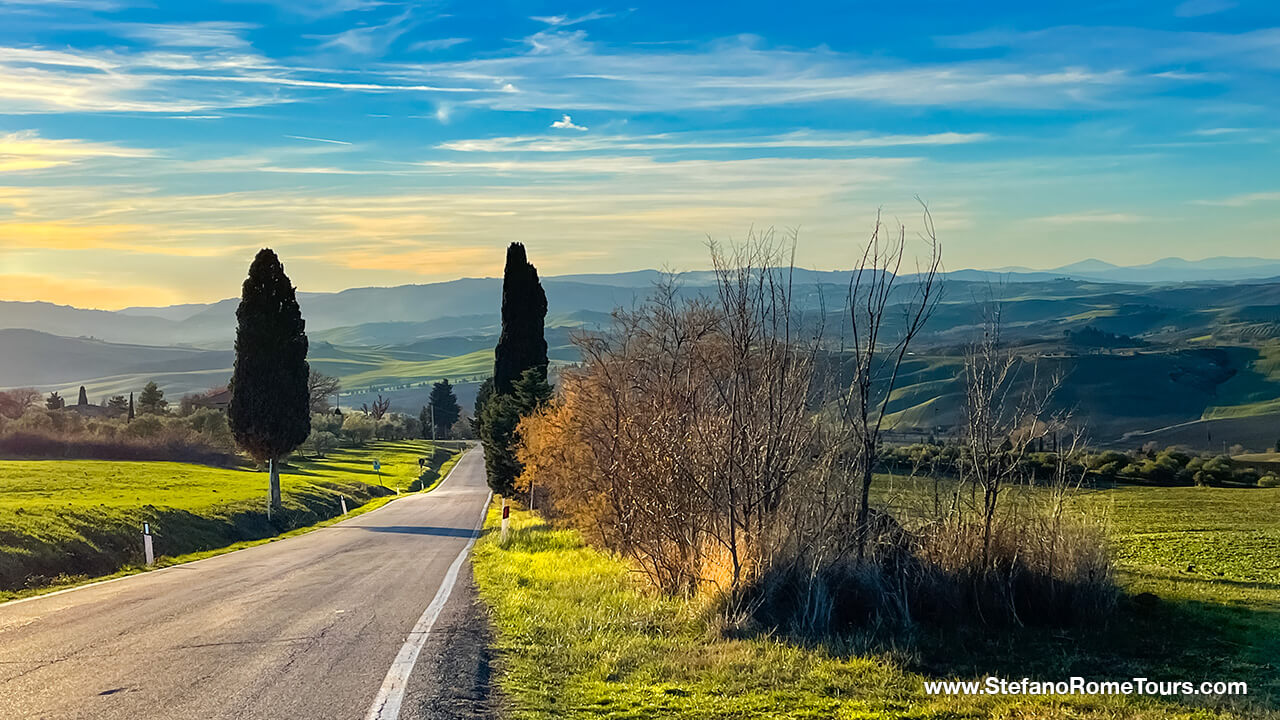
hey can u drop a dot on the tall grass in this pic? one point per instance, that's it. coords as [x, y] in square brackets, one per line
[1041, 570]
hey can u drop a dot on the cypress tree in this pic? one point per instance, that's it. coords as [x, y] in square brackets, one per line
[521, 351]
[521, 345]
[131, 405]
[84, 397]
[269, 410]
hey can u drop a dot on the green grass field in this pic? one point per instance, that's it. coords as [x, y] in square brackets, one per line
[65, 521]
[578, 638]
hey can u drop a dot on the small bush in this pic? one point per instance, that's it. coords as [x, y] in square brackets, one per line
[358, 428]
[145, 426]
[1269, 481]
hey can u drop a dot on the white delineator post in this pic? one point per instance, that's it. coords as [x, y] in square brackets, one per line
[343, 499]
[506, 518]
[146, 544]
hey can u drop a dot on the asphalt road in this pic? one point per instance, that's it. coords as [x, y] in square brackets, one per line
[301, 628]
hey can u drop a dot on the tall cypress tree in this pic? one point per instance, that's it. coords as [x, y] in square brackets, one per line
[521, 352]
[84, 397]
[269, 410]
[521, 345]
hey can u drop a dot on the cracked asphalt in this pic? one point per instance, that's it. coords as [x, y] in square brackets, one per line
[301, 628]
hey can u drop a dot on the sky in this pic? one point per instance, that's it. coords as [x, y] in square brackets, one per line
[148, 148]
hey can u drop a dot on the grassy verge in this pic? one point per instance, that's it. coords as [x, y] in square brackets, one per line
[577, 638]
[64, 523]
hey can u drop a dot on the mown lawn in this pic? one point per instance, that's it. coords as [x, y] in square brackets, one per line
[579, 638]
[62, 521]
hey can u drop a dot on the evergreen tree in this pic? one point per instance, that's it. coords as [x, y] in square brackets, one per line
[519, 359]
[84, 397]
[54, 402]
[498, 420]
[524, 312]
[270, 402]
[501, 415]
[444, 408]
[532, 390]
[131, 413]
[151, 401]
[118, 405]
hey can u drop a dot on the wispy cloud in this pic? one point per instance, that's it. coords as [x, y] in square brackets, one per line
[227, 35]
[27, 150]
[99, 5]
[1197, 8]
[36, 80]
[566, 123]
[319, 140]
[1154, 49]
[561, 68]
[204, 66]
[703, 141]
[371, 40]
[437, 44]
[1092, 217]
[1245, 200]
[567, 20]
[324, 8]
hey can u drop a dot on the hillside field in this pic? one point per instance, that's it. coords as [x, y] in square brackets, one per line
[61, 520]
[577, 638]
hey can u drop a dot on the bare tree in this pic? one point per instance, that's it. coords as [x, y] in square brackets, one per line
[15, 402]
[763, 391]
[1007, 409]
[321, 387]
[379, 408]
[686, 423]
[877, 360]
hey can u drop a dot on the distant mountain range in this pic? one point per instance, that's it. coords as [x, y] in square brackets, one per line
[397, 315]
[1166, 270]
[1178, 349]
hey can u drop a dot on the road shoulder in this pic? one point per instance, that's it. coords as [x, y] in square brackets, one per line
[453, 678]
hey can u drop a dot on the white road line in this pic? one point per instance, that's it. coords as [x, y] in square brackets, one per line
[386, 706]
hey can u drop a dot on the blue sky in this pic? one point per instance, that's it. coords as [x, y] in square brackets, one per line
[147, 149]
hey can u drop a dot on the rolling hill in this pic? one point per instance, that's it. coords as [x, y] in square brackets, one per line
[404, 373]
[469, 306]
[1140, 359]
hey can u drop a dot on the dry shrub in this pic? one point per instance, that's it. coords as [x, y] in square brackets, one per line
[706, 440]
[674, 442]
[1042, 570]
